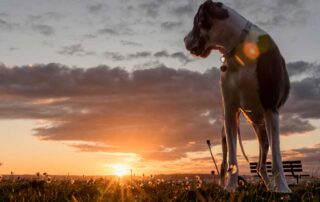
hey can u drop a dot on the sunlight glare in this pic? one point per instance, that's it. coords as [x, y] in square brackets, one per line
[120, 170]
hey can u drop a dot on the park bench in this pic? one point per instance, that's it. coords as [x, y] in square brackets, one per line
[292, 167]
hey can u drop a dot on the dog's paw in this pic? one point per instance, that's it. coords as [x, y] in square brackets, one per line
[231, 187]
[222, 182]
[283, 188]
[232, 183]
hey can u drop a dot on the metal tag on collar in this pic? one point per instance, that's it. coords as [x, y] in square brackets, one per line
[223, 68]
[223, 59]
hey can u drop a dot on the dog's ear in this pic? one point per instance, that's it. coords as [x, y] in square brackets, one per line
[216, 10]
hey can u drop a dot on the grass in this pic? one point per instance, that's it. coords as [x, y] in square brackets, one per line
[152, 190]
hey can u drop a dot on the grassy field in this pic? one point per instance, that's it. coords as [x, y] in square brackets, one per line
[149, 189]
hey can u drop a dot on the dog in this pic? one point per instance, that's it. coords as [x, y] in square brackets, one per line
[254, 82]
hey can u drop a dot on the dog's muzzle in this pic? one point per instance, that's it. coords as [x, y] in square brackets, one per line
[194, 45]
[191, 44]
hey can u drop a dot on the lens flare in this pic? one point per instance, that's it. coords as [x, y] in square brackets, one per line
[251, 50]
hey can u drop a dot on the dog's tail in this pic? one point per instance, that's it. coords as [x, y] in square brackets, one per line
[241, 146]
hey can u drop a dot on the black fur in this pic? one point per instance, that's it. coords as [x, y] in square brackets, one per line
[273, 79]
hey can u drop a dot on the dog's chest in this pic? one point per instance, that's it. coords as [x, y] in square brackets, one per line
[242, 85]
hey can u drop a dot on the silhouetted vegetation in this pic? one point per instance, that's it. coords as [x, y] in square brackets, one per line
[149, 189]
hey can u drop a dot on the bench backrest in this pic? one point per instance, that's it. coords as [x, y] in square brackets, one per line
[288, 166]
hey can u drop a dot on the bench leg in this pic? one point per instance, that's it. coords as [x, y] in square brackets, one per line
[272, 127]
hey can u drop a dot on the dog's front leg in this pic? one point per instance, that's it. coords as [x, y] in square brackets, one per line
[272, 127]
[231, 113]
[224, 165]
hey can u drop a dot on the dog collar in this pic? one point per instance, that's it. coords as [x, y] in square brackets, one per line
[242, 37]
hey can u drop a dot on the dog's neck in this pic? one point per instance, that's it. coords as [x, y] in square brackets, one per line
[234, 26]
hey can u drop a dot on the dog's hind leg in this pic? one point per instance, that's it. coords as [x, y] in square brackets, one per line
[261, 133]
[272, 127]
[223, 168]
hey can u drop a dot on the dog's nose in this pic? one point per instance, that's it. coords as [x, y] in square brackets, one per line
[188, 41]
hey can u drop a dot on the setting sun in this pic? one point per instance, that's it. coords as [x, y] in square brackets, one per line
[120, 170]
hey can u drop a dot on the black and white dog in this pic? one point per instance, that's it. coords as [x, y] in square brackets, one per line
[254, 81]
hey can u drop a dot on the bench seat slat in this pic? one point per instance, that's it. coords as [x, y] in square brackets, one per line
[288, 167]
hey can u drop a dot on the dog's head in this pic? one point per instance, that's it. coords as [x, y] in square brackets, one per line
[207, 28]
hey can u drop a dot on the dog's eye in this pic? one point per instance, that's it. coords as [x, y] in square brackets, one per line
[204, 23]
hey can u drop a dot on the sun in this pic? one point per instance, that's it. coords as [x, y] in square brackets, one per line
[120, 170]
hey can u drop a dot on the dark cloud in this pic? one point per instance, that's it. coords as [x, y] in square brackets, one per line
[159, 113]
[114, 56]
[290, 124]
[13, 48]
[143, 54]
[44, 29]
[305, 94]
[181, 56]
[162, 53]
[75, 50]
[119, 29]
[147, 54]
[302, 68]
[7, 25]
[187, 9]
[148, 65]
[110, 106]
[130, 43]
[108, 31]
[171, 25]
[3, 14]
[120, 57]
[96, 8]
[178, 55]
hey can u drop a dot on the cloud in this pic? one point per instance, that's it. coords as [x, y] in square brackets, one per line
[178, 55]
[119, 29]
[130, 43]
[44, 29]
[187, 9]
[308, 155]
[171, 25]
[279, 13]
[150, 9]
[181, 56]
[96, 8]
[8, 25]
[108, 31]
[143, 54]
[75, 50]
[159, 113]
[147, 55]
[44, 17]
[13, 48]
[305, 94]
[302, 68]
[114, 56]
[137, 111]
[294, 124]
[162, 53]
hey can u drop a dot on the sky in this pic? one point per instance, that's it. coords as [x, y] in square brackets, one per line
[87, 85]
